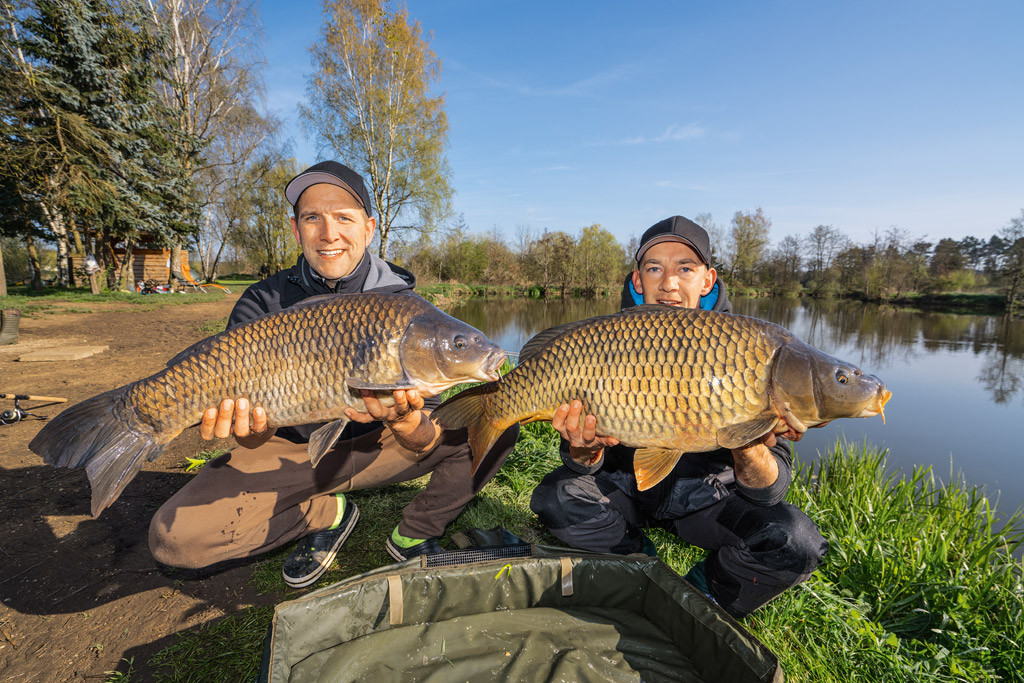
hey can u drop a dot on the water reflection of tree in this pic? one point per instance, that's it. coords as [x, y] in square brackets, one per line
[881, 334]
[1002, 375]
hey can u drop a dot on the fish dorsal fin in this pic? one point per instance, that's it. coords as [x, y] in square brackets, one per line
[324, 438]
[738, 435]
[651, 465]
[360, 383]
[542, 339]
[644, 309]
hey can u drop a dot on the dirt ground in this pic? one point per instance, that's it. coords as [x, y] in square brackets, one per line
[76, 594]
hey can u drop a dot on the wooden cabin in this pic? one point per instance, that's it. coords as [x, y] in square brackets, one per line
[149, 262]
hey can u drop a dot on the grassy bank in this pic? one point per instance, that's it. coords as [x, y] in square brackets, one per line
[918, 585]
[955, 302]
[57, 300]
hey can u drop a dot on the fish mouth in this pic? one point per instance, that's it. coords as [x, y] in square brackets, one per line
[883, 397]
[491, 365]
[878, 408]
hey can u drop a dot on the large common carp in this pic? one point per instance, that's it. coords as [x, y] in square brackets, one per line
[303, 365]
[669, 381]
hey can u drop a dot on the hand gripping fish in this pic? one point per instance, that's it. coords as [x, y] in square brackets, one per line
[669, 381]
[303, 365]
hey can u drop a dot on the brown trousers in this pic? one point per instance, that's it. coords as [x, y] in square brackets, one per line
[250, 501]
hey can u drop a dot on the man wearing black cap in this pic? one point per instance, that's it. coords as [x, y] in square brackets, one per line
[266, 494]
[729, 502]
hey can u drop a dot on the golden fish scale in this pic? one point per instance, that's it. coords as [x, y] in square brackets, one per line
[293, 364]
[663, 379]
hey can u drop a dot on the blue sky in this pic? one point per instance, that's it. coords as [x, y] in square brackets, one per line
[857, 115]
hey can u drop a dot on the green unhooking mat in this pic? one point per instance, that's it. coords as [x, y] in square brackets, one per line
[554, 615]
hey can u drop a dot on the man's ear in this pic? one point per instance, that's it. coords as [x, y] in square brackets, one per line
[371, 225]
[295, 231]
[710, 277]
[637, 285]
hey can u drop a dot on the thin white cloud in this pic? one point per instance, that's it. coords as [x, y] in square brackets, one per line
[673, 133]
[585, 86]
[690, 131]
[552, 169]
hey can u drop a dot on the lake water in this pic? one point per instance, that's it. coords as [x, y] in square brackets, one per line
[957, 380]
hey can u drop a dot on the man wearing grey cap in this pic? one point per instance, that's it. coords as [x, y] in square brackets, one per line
[729, 502]
[265, 494]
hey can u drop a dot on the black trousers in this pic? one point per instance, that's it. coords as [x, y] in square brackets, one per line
[755, 551]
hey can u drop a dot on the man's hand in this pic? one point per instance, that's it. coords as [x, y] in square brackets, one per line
[217, 423]
[585, 447]
[412, 426]
[754, 464]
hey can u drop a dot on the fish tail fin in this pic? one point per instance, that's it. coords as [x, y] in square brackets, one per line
[94, 434]
[468, 409]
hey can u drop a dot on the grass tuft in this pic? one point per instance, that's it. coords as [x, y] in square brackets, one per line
[228, 649]
[197, 463]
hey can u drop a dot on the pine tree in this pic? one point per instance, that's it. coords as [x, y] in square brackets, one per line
[90, 136]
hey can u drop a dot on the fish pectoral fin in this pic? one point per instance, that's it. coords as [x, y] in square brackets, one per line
[738, 435]
[651, 465]
[323, 439]
[359, 383]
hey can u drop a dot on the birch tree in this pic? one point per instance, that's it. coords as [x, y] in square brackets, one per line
[372, 108]
[823, 244]
[748, 240]
[716, 236]
[1013, 262]
[265, 235]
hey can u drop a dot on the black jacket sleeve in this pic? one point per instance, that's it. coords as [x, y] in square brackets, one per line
[770, 495]
[563, 450]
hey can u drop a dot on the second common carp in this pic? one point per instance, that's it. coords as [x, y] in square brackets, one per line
[669, 381]
[303, 365]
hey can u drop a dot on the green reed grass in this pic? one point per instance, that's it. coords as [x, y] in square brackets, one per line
[920, 582]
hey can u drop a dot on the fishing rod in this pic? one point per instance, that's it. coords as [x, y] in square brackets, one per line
[9, 417]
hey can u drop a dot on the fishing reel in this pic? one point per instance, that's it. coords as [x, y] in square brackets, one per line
[9, 417]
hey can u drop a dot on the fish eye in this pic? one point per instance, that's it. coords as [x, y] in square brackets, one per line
[460, 341]
[842, 377]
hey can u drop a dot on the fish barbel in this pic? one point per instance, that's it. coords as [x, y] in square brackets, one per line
[668, 381]
[303, 365]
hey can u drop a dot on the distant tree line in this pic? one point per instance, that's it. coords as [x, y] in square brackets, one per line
[823, 263]
[590, 262]
[826, 263]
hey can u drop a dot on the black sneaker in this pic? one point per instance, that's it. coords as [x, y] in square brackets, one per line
[427, 547]
[313, 554]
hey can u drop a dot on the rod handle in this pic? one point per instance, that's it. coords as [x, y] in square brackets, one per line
[27, 397]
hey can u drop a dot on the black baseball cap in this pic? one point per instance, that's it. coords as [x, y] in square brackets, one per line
[677, 229]
[333, 173]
